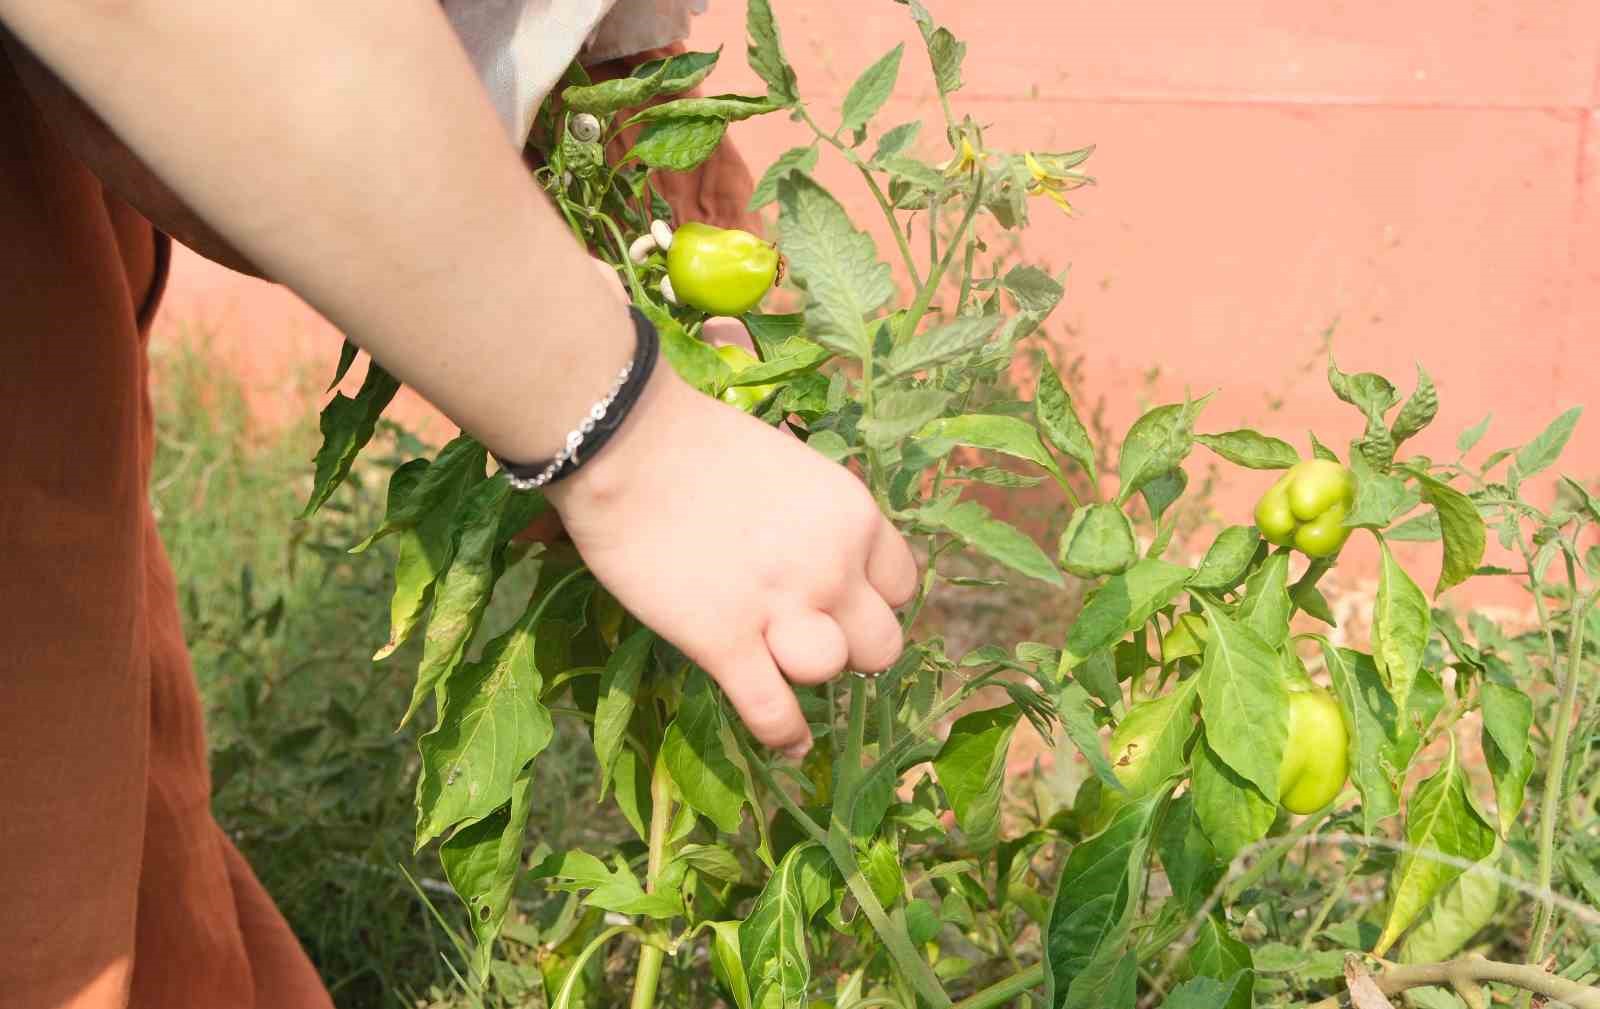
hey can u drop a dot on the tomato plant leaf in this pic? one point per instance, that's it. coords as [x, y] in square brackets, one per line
[1231, 811]
[971, 767]
[1095, 890]
[491, 724]
[896, 139]
[1098, 541]
[1440, 819]
[697, 757]
[1374, 724]
[1156, 443]
[795, 159]
[1464, 908]
[1244, 702]
[1123, 603]
[1462, 527]
[1227, 559]
[940, 344]
[1507, 747]
[837, 265]
[619, 686]
[681, 144]
[1251, 449]
[772, 938]
[944, 52]
[765, 53]
[901, 413]
[1053, 408]
[480, 862]
[868, 94]
[794, 356]
[971, 523]
[1400, 624]
[347, 425]
[1542, 452]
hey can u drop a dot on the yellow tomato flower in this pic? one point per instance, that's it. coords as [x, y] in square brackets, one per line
[1052, 180]
[969, 158]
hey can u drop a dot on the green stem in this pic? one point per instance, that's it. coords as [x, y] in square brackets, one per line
[872, 184]
[1549, 811]
[647, 974]
[1001, 992]
[895, 939]
[1333, 897]
[564, 997]
[925, 294]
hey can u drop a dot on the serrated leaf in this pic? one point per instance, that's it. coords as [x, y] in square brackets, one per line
[1157, 442]
[1401, 621]
[971, 768]
[697, 757]
[1464, 535]
[971, 523]
[679, 145]
[1440, 819]
[1474, 434]
[896, 140]
[940, 344]
[765, 53]
[1418, 411]
[1251, 449]
[1542, 452]
[795, 159]
[1244, 702]
[347, 425]
[619, 686]
[1227, 559]
[836, 264]
[1059, 421]
[1123, 603]
[867, 95]
[901, 413]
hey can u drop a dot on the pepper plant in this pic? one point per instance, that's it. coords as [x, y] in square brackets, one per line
[1215, 704]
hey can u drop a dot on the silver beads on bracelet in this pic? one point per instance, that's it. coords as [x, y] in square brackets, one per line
[569, 454]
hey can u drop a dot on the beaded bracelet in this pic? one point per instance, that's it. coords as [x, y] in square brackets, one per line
[602, 420]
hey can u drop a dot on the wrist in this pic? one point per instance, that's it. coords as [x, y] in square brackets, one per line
[648, 431]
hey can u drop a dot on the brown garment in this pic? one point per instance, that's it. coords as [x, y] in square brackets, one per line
[117, 888]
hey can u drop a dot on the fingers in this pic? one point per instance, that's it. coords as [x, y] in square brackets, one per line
[808, 646]
[891, 569]
[764, 701]
[870, 630]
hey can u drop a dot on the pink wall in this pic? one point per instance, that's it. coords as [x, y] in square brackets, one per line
[1428, 174]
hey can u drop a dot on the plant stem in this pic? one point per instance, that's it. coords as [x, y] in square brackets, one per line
[1001, 992]
[1337, 892]
[877, 192]
[1469, 972]
[647, 975]
[1549, 811]
[936, 273]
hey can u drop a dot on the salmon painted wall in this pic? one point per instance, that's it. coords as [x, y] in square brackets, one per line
[1426, 175]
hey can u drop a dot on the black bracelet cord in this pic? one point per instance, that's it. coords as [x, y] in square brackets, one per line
[604, 418]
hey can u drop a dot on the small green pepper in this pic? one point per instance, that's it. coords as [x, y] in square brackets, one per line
[720, 271]
[1306, 508]
[745, 397]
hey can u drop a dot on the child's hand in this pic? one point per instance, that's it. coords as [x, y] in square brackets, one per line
[751, 553]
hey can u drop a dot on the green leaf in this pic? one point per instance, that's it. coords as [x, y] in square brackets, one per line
[728, 108]
[458, 465]
[1424, 528]
[896, 140]
[697, 758]
[1227, 559]
[1209, 993]
[1455, 917]
[971, 767]
[611, 889]
[971, 523]
[347, 424]
[1098, 541]
[1217, 953]
[1542, 452]
[1059, 421]
[1462, 526]
[1440, 819]
[680, 71]
[1192, 866]
[901, 413]
[710, 860]
[772, 331]
[880, 865]
[835, 263]
[1160, 493]
[1372, 394]
[1419, 410]
[994, 476]
[1123, 603]
[772, 938]
[1374, 723]
[481, 861]
[424, 552]
[1077, 719]
[1098, 884]
[1252, 449]
[619, 686]
[1232, 812]
[1507, 747]
[727, 964]
[944, 52]
[1401, 621]
[1148, 745]
[1380, 499]
[795, 356]
[679, 145]
[1321, 451]
[795, 159]
[940, 344]
[463, 589]
[867, 95]
[1266, 606]
[995, 433]
[765, 53]
[1472, 435]
[1156, 443]
[1244, 702]
[347, 357]
[491, 725]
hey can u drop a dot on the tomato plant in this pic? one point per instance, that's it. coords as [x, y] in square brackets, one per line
[889, 868]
